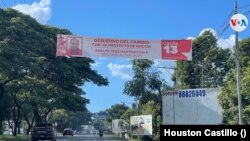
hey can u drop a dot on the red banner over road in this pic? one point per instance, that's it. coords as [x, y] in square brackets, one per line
[77, 46]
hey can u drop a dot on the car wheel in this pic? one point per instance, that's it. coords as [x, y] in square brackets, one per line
[33, 139]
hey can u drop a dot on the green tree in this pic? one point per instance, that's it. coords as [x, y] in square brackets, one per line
[27, 54]
[69, 119]
[5, 112]
[127, 114]
[228, 98]
[137, 87]
[116, 111]
[28, 50]
[153, 108]
[147, 86]
[209, 64]
[145, 82]
[216, 65]
[61, 117]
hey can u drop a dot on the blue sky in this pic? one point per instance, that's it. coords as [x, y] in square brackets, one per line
[133, 19]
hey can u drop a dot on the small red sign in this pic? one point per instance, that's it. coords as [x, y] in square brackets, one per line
[176, 49]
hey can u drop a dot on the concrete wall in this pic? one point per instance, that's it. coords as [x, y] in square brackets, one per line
[192, 108]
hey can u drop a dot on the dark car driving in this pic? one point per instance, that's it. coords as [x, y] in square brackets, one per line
[68, 131]
[43, 131]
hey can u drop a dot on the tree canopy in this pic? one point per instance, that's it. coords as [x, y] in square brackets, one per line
[30, 71]
[228, 98]
[116, 111]
[209, 66]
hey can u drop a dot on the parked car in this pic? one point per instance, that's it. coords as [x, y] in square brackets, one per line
[43, 131]
[68, 131]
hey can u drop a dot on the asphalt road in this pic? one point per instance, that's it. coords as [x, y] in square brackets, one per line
[88, 138]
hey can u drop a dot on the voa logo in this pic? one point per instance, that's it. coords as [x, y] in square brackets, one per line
[238, 22]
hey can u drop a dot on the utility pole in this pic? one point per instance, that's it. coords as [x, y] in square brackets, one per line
[238, 68]
[202, 85]
[175, 87]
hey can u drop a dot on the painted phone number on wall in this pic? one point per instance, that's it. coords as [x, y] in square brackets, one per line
[192, 93]
[186, 93]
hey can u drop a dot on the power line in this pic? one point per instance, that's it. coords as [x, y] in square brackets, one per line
[246, 13]
[223, 28]
[204, 41]
[225, 24]
[244, 7]
[220, 33]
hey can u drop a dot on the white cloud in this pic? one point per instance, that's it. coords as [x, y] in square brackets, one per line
[227, 43]
[224, 43]
[209, 29]
[190, 38]
[122, 71]
[41, 11]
